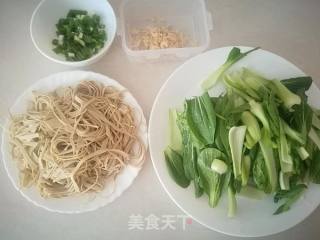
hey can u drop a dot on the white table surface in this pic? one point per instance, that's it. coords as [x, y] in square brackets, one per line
[289, 28]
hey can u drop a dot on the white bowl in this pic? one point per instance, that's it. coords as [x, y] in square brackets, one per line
[47, 14]
[254, 218]
[86, 202]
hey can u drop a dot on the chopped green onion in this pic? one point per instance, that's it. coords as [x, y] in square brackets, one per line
[80, 34]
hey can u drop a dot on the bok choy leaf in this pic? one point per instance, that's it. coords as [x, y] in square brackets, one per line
[212, 180]
[175, 167]
[234, 56]
[236, 139]
[201, 119]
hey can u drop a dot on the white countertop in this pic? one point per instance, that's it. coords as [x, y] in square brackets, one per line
[289, 28]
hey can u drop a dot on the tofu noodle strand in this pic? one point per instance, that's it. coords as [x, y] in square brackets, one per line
[74, 140]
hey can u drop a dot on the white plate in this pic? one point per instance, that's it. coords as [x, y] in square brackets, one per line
[254, 218]
[86, 202]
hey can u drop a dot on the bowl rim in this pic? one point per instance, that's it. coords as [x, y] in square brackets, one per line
[88, 61]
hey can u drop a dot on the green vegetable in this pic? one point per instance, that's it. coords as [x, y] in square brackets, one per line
[254, 81]
[190, 159]
[294, 135]
[257, 109]
[258, 138]
[174, 132]
[232, 202]
[236, 85]
[79, 35]
[228, 114]
[250, 142]
[197, 186]
[269, 159]
[260, 174]
[302, 117]
[290, 197]
[253, 130]
[175, 167]
[201, 119]
[196, 177]
[189, 153]
[315, 168]
[270, 107]
[284, 180]
[299, 167]
[234, 56]
[188, 148]
[236, 139]
[288, 98]
[245, 170]
[303, 154]
[219, 166]
[284, 152]
[222, 136]
[297, 84]
[211, 180]
[247, 84]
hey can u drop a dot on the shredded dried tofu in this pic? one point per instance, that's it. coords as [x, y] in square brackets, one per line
[75, 140]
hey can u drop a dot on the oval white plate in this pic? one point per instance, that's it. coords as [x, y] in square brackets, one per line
[86, 202]
[254, 218]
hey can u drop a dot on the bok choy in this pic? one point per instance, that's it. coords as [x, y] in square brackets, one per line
[259, 138]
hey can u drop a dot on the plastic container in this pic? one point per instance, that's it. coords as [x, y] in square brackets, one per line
[187, 16]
